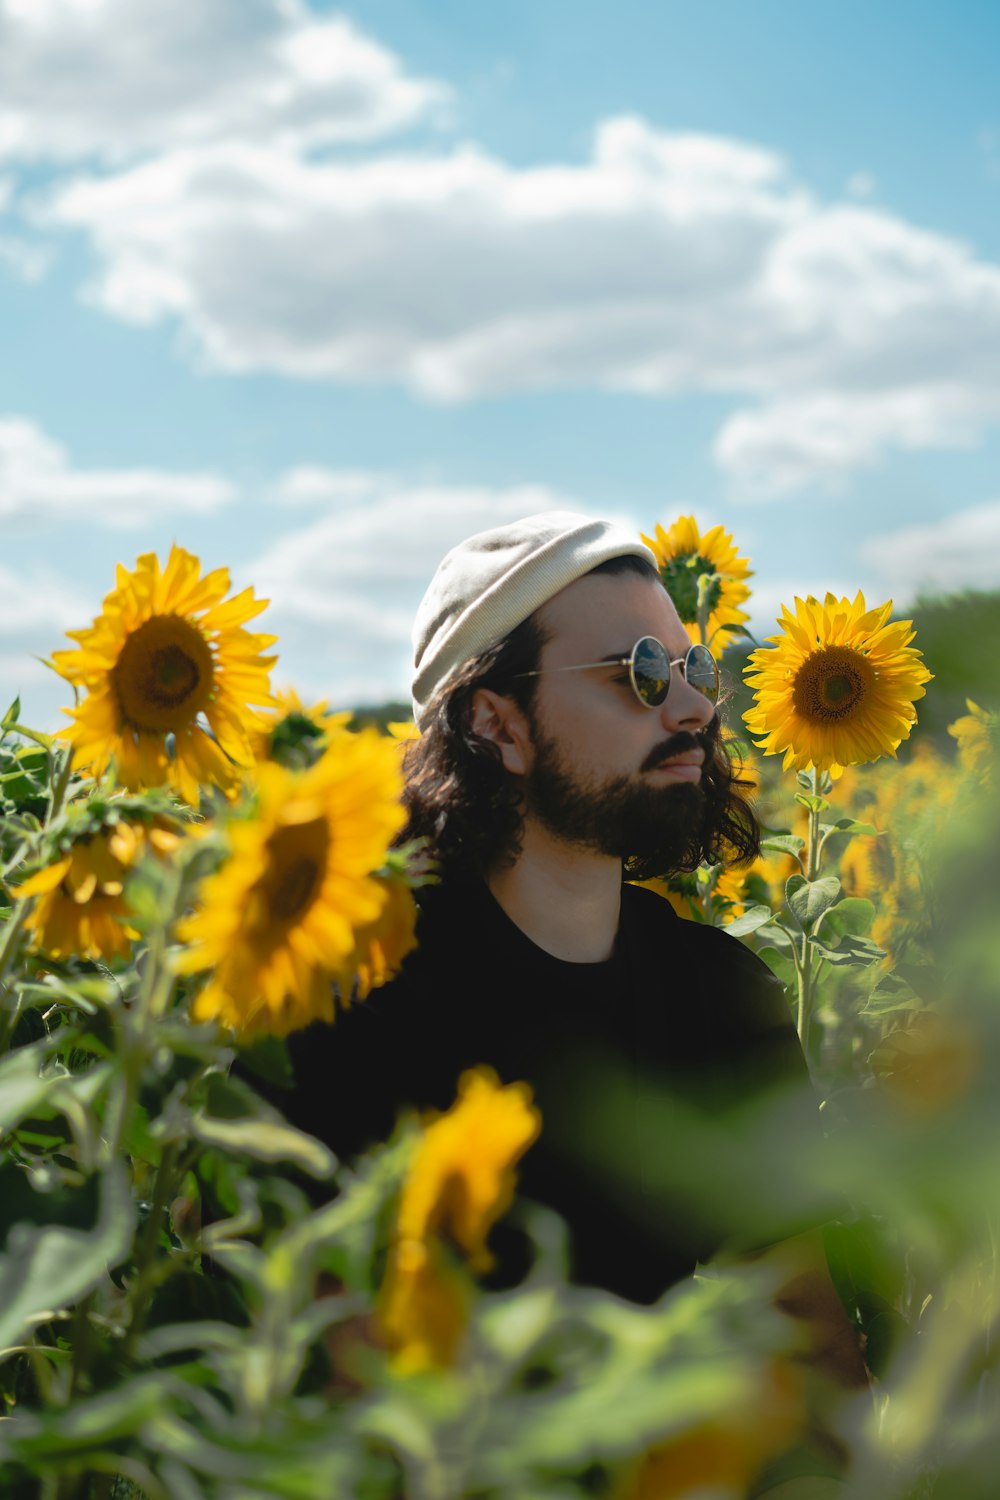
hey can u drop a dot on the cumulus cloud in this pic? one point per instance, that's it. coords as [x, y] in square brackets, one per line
[961, 551]
[110, 78]
[37, 478]
[667, 263]
[344, 589]
[826, 435]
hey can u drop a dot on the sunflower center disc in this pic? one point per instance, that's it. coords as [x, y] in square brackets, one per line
[832, 683]
[164, 675]
[296, 866]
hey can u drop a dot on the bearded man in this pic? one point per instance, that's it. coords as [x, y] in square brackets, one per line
[570, 745]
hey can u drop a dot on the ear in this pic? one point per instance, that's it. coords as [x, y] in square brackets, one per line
[498, 719]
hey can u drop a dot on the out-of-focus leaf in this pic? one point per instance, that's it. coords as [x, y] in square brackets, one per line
[783, 843]
[811, 802]
[32, 1087]
[779, 964]
[47, 1438]
[852, 916]
[45, 1269]
[752, 918]
[849, 825]
[269, 1140]
[890, 994]
[809, 899]
[12, 715]
[859, 951]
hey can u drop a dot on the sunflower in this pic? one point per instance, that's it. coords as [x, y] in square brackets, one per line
[383, 944]
[167, 650]
[976, 733]
[289, 730]
[278, 923]
[838, 686]
[460, 1181]
[683, 556]
[80, 905]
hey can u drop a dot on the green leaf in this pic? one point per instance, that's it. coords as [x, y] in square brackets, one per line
[857, 951]
[12, 715]
[752, 918]
[32, 1087]
[853, 916]
[809, 899]
[783, 843]
[265, 1138]
[891, 994]
[849, 825]
[814, 804]
[48, 1268]
[779, 964]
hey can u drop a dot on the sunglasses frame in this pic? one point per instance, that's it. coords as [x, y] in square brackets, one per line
[629, 661]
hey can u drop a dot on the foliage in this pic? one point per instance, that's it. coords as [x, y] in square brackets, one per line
[195, 1293]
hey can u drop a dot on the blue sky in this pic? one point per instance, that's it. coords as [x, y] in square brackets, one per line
[318, 291]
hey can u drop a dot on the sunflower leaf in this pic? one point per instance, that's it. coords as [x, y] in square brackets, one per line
[858, 951]
[752, 918]
[809, 899]
[813, 804]
[783, 843]
[849, 825]
[852, 917]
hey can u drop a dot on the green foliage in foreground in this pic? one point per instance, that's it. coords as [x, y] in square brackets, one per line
[160, 1251]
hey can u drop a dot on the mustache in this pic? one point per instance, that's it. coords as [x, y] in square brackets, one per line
[682, 743]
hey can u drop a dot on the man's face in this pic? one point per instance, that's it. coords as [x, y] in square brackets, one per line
[607, 772]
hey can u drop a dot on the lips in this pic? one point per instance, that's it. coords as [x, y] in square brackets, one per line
[684, 767]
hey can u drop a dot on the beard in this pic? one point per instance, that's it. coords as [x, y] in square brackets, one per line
[653, 828]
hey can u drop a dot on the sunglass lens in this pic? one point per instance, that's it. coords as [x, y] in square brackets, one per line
[702, 672]
[650, 671]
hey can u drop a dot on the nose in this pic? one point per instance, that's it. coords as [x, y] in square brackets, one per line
[685, 707]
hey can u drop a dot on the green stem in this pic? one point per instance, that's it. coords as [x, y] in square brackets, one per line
[145, 1278]
[61, 781]
[805, 974]
[11, 939]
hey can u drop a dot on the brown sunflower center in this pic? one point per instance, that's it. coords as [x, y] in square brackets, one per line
[296, 865]
[832, 684]
[164, 675]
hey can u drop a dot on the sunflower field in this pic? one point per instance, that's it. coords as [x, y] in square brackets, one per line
[198, 1301]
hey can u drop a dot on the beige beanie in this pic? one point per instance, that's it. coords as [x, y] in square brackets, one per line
[490, 583]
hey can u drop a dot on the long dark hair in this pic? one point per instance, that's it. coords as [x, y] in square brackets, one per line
[460, 798]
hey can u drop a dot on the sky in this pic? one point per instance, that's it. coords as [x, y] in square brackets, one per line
[318, 292]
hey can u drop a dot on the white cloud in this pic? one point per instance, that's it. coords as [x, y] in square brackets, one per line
[962, 551]
[37, 479]
[311, 485]
[344, 589]
[27, 259]
[40, 600]
[667, 263]
[824, 436]
[112, 78]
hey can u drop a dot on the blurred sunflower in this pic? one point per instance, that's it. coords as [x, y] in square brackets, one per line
[837, 687]
[381, 946]
[80, 905]
[683, 556]
[167, 650]
[291, 731]
[976, 733]
[278, 923]
[460, 1181]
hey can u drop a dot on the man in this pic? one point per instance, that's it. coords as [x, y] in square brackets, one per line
[569, 734]
[552, 754]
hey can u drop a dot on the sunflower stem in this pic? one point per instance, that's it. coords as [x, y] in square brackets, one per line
[804, 969]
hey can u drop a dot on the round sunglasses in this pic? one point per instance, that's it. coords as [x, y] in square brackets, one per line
[649, 670]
